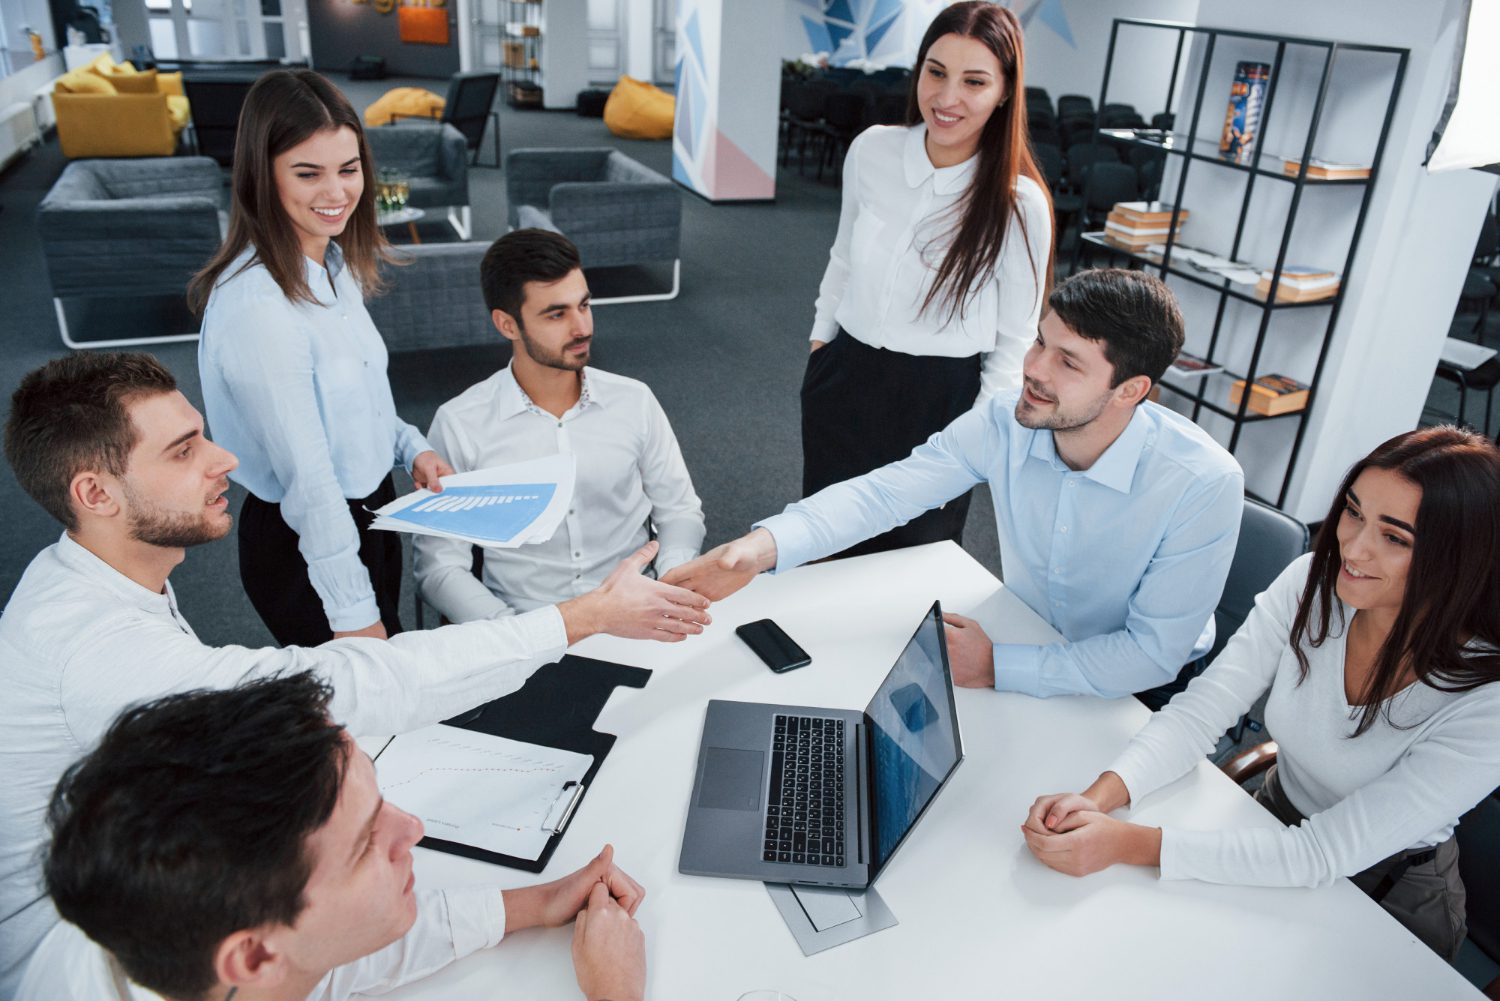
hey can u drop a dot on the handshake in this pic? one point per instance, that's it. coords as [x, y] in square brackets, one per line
[634, 606]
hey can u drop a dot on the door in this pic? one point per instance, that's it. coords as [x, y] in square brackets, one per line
[606, 41]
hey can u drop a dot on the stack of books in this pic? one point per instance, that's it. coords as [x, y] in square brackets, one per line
[1137, 225]
[1325, 170]
[1271, 394]
[1300, 285]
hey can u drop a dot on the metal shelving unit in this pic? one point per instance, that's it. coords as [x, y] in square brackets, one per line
[521, 53]
[1210, 391]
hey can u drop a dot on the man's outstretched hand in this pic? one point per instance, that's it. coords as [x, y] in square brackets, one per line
[634, 606]
[725, 569]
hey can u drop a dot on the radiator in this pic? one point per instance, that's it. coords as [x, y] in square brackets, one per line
[18, 132]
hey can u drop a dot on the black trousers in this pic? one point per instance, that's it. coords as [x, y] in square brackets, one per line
[864, 407]
[275, 575]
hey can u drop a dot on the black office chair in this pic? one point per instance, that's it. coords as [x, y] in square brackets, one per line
[1479, 865]
[470, 109]
[215, 99]
[1075, 103]
[1269, 541]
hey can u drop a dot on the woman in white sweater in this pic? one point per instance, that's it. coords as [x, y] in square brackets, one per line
[1378, 649]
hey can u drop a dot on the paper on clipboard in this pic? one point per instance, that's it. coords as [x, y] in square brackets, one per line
[475, 789]
[501, 508]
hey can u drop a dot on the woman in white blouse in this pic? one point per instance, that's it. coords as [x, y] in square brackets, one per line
[937, 276]
[1378, 650]
[294, 371]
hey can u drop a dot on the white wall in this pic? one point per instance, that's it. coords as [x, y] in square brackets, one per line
[1142, 57]
[639, 15]
[565, 53]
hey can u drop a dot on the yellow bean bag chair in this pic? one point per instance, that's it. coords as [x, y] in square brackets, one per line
[407, 102]
[112, 109]
[637, 110]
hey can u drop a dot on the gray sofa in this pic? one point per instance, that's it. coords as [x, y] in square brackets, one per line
[617, 211]
[435, 159]
[433, 299]
[130, 228]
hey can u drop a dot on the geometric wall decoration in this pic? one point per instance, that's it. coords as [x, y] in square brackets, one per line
[728, 78]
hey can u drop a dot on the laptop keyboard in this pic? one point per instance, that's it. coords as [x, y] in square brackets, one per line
[805, 808]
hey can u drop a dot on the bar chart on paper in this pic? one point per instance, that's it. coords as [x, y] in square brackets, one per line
[491, 513]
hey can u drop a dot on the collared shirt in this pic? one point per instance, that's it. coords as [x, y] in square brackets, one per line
[450, 925]
[1126, 559]
[299, 392]
[1404, 783]
[80, 641]
[897, 221]
[629, 469]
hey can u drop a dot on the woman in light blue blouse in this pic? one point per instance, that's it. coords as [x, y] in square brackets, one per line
[294, 371]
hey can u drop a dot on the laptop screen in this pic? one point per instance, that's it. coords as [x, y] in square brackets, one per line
[914, 736]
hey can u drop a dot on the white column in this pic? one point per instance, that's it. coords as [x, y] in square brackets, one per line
[728, 92]
[565, 52]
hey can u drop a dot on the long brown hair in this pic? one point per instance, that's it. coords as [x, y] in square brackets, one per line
[1448, 626]
[987, 207]
[283, 109]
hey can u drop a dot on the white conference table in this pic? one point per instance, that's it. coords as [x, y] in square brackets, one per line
[979, 917]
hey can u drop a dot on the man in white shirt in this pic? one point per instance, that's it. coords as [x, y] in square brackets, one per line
[235, 843]
[110, 448]
[631, 476]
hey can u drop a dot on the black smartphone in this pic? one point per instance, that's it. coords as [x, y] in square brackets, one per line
[772, 645]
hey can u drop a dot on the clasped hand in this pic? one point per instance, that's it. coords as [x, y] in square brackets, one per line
[1068, 832]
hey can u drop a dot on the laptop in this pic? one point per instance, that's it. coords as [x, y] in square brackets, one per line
[796, 794]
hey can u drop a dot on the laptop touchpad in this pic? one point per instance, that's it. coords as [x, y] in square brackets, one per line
[731, 779]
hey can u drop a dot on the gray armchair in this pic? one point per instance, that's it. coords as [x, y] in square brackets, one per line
[433, 299]
[435, 159]
[129, 228]
[616, 210]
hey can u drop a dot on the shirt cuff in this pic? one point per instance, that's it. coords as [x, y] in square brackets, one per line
[1018, 668]
[669, 559]
[357, 616]
[792, 540]
[542, 629]
[476, 918]
[411, 444]
[824, 330]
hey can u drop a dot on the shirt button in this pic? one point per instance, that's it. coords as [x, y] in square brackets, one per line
[577, 555]
[571, 511]
[1064, 530]
[559, 423]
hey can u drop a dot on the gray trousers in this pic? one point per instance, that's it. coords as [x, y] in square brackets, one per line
[1419, 887]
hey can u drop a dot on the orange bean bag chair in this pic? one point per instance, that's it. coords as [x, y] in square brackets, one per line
[407, 102]
[637, 110]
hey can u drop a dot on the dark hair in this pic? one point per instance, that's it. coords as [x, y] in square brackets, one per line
[189, 823]
[1134, 314]
[285, 108]
[72, 415]
[521, 256]
[1452, 601]
[988, 205]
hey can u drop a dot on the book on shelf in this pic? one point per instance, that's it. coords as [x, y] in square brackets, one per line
[1271, 395]
[1159, 213]
[1186, 364]
[1136, 234]
[1300, 284]
[1326, 170]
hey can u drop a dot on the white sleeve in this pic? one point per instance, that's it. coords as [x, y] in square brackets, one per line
[1440, 778]
[1021, 276]
[380, 686]
[1187, 728]
[450, 925]
[444, 567]
[836, 277]
[676, 510]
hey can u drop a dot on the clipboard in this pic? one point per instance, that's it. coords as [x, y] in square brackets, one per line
[557, 707]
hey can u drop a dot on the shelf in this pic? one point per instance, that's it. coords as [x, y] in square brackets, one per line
[1213, 395]
[1207, 151]
[1206, 279]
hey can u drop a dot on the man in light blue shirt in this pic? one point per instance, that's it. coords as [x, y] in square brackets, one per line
[1117, 517]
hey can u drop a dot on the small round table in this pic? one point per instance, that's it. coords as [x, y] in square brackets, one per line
[407, 215]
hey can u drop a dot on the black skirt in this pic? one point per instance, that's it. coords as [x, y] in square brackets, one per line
[275, 574]
[864, 407]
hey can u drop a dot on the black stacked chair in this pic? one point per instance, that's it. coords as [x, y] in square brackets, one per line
[1075, 104]
[805, 103]
[1049, 159]
[844, 117]
[890, 109]
[1164, 120]
[1106, 185]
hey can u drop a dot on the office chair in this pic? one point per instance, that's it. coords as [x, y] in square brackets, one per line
[468, 108]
